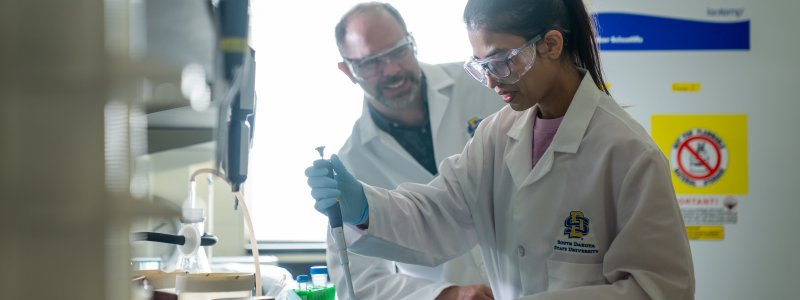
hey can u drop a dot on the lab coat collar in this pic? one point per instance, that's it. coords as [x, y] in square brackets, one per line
[437, 81]
[366, 125]
[572, 129]
[567, 139]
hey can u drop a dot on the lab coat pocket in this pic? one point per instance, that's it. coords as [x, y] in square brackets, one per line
[564, 275]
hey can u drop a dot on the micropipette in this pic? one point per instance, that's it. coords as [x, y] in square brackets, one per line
[335, 220]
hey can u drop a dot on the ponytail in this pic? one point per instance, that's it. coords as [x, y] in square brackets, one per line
[583, 44]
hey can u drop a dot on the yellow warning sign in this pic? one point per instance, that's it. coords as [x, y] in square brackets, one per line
[705, 233]
[707, 153]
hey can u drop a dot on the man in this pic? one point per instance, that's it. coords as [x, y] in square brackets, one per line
[414, 116]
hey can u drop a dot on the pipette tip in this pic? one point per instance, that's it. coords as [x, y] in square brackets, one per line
[321, 150]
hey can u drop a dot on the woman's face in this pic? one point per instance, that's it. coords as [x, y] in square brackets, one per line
[533, 83]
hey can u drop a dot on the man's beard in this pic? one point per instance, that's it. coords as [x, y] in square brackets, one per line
[402, 100]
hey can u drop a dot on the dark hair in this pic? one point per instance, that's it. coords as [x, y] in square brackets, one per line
[341, 27]
[526, 18]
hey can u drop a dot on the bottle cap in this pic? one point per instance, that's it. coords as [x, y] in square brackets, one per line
[319, 270]
[302, 278]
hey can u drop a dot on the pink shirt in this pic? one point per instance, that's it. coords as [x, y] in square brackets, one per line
[543, 132]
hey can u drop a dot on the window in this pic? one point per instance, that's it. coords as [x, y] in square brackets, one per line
[304, 101]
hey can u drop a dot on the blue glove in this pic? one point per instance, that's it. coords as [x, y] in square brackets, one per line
[343, 188]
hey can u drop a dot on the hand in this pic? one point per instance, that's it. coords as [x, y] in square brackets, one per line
[343, 188]
[468, 292]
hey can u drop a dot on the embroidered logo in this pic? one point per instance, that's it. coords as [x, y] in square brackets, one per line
[472, 124]
[576, 225]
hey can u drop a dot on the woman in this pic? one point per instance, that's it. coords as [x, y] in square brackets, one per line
[567, 195]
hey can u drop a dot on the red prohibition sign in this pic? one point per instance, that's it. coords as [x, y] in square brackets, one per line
[711, 169]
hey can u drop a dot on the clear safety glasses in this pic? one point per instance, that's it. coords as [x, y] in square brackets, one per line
[507, 69]
[373, 65]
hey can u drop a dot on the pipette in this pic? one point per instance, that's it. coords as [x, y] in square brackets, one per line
[337, 230]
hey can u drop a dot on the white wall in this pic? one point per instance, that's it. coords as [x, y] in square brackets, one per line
[756, 259]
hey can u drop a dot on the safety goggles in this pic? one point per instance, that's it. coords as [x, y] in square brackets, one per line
[508, 68]
[373, 65]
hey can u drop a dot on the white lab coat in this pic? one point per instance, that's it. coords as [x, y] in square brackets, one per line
[378, 159]
[601, 163]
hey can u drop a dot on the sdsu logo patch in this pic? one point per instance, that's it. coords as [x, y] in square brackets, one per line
[472, 124]
[699, 157]
[576, 226]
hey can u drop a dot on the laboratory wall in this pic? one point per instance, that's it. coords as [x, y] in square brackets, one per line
[714, 82]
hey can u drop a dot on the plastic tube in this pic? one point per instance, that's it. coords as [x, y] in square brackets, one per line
[192, 193]
[247, 220]
[253, 244]
[210, 209]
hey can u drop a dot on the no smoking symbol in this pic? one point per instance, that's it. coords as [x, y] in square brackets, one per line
[699, 157]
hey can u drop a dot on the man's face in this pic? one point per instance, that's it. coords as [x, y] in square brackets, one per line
[382, 59]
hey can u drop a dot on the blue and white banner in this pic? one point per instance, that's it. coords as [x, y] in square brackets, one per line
[640, 32]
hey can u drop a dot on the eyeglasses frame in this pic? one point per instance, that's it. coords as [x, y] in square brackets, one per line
[484, 62]
[352, 64]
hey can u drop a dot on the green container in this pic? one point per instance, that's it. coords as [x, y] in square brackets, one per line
[327, 293]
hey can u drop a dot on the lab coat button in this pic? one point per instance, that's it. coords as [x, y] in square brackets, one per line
[521, 251]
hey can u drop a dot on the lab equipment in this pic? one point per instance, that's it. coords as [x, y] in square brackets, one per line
[237, 110]
[303, 282]
[188, 241]
[192, 256]
[337, 231]
[327, 192]
[315, 288]
[214, 286]
[239, 196]
[191, 237]
[333, 211]
[324, 293]
[235, 122]
[146, 263]
[319, 276]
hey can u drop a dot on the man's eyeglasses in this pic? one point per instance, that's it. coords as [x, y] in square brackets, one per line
[506, 69]
[373, 65]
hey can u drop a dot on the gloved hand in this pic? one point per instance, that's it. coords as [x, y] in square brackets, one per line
[343, 187]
